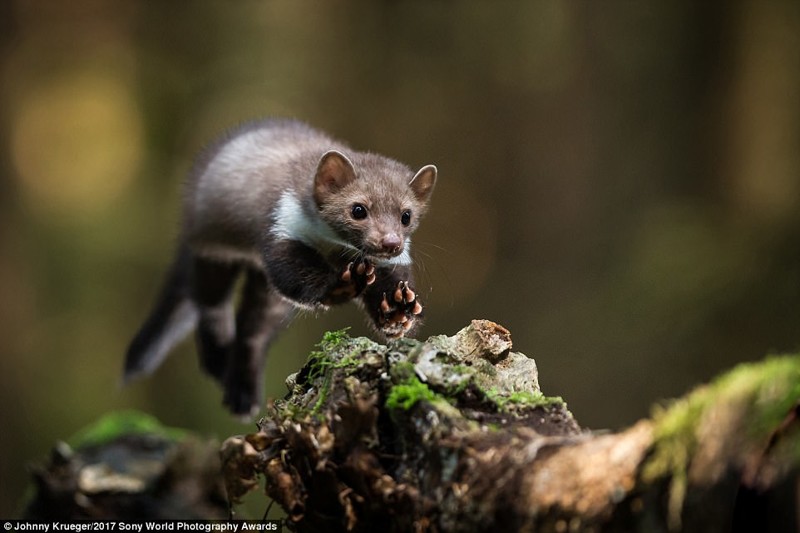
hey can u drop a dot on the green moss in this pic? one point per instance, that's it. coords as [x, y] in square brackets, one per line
[334, 339]
[355, 357]
[320, 361]
[336, 350]
[324, 390]
[505, 401]
[762, 394]
[320, 364]
[772, 387]
[402, 371]
[766, 392]
[455, 390]
[120, 423]
[408, 393]
[462, 369]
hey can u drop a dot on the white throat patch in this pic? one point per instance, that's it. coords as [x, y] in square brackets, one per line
[293, 223]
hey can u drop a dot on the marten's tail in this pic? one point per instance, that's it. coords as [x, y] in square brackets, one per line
[171, 320]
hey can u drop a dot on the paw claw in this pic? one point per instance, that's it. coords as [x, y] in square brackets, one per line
[410, 295]
[356, 276]
[347, 276]
[399, 311]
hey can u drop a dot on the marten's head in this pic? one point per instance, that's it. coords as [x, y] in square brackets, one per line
[373, 203]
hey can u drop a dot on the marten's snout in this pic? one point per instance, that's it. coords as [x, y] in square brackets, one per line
[391, 243]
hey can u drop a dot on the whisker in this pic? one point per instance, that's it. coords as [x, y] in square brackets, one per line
[423, 262]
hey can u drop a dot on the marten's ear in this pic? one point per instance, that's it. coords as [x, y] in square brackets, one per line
[333, 172]
[422, 183]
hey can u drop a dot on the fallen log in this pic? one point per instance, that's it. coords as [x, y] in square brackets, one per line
[454, 434]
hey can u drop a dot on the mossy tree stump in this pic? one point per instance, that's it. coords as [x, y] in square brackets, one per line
[454, 434]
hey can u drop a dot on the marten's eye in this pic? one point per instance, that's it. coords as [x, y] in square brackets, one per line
[405, 218]
[358, 211]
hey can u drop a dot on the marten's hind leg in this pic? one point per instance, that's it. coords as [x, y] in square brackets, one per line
[262, 314]
[212, 291]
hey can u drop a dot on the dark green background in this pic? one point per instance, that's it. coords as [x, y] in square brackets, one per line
[619, 185]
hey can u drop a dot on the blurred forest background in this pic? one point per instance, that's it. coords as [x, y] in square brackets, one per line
[619, 185]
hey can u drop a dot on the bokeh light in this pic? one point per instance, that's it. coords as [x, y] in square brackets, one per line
[76, 143]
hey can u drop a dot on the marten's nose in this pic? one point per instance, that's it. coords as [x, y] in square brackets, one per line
[391, 243]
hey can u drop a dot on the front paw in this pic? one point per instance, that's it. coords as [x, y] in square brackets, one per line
[355, 277]
[399, 311]
[359, 274]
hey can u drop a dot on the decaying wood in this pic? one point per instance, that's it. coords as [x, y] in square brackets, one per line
[131, 476]
[453, 434]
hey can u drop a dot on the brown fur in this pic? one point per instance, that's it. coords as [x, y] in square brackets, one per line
[274, 201]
